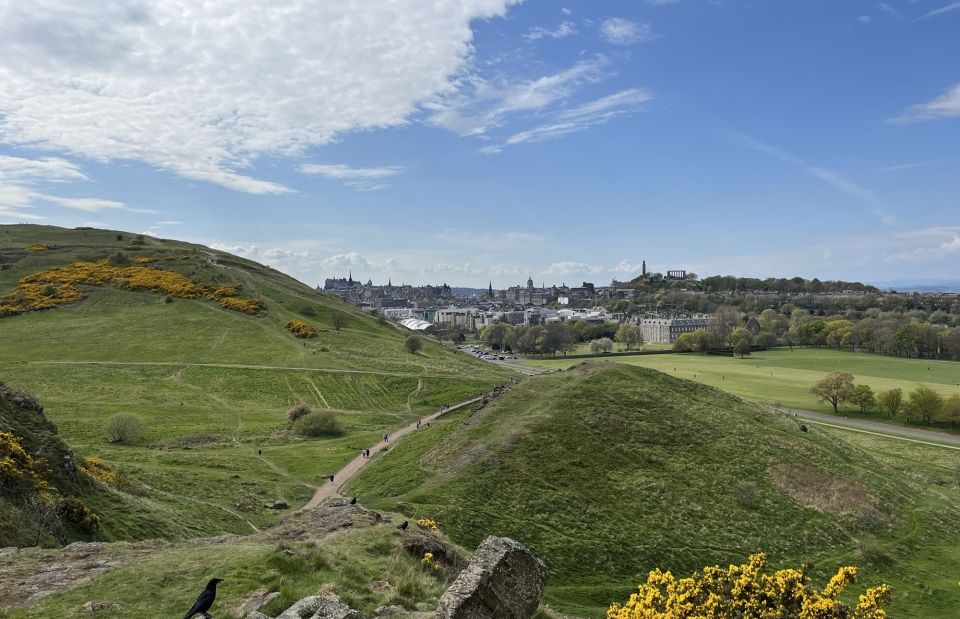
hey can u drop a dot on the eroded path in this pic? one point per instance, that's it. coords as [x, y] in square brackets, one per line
[332, 488]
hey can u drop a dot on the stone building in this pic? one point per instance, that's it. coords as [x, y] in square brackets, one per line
[667, 330]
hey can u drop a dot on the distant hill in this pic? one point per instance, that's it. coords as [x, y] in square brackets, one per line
[920, 285]
[607, 471]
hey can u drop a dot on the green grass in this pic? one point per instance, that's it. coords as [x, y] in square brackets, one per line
[785, 377]
[609, 471]
[212, 386]
[162, 580]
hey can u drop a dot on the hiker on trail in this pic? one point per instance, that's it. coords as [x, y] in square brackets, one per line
[259, 452]
[418, 423]
[386, 438]
[331, 479]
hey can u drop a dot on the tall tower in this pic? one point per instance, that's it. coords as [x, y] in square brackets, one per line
[490, 290]
[644, 268]
[530, 283]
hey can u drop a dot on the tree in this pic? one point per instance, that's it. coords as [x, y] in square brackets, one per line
[724, 321]
[950, 412]
[741, 347]
[924, 403]
[702, 341]
[493, 335]
[891, 401]
[413, 344]
[685, 342]
[338, 319]
[603, 345]
[766, 339]
[863, 397]
[834, 388]
[123, 428]
[40, 511]
[630, 336]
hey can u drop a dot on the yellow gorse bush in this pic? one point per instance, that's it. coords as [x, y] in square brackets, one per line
[301, 329]
[93, 467]
[36, 247]
[427, 523]
[428, 562]
[61, 285]
[18, 469]
[744, 591]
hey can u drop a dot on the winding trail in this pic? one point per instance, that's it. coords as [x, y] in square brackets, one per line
[864, 426]
[331, 488]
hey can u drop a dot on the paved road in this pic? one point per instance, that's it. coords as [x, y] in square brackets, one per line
[915, 435]
[332, 488]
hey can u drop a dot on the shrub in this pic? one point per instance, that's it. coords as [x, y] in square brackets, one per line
[19, 471]
[743, 591]
[75, 511]
[320, 423]
[36, 247]
[308, 310]
[119, 259]
[746, 493]
[301, 329]
[413, 344]
[93, 467]
[246, 306]
[298, 411]
[168, 299]
[338, 319]
[143, 260]
[123, 428]
[225, 291]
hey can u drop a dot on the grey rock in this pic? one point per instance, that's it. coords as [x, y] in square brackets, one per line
[391, 611]
[259, 599]
[99, 607]
[256, 614]
[503, 581]
[382, 586]
[320, 607]
[277, 505]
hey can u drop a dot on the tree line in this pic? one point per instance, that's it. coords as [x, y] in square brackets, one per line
[921, 405]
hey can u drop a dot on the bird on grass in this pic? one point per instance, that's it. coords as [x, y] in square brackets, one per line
[353, 501]
[204, 600]
[403, 525]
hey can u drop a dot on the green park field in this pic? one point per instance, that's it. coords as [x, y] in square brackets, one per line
[784, 377]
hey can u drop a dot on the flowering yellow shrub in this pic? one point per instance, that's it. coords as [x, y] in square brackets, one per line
[428, 562]
[247, 306]
[61, 285]
[301, 329]
[19, 471]
[93, 467]
[743, 591]
[143, 260]
[427, 523]
[36, 247]
[225, 291]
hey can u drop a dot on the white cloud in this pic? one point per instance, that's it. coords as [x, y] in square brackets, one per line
[169, 223]
[345, 261]
[660, 2]
[864, 19]
[952, 245]
[362, 179]
[89, 205]
[566, 11]
[51, 169]
[889, 9]
[19, 178]
[620, 31]
[562, 31]
[627, 267]
[579, 118]
[482, 104]
[572, 268]
[953, 6]
[205, 89]
[904, 166]
[946, 105]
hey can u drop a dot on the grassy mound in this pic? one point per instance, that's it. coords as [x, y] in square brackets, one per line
[210, 382]
[607, 471]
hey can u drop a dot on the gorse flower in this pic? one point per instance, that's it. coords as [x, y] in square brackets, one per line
[744, 591]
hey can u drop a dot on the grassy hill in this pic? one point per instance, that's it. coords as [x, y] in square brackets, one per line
[211, 385]
[785, 376]
[607, 471]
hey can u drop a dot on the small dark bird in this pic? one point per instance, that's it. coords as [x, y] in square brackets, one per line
[403, 525]
[353, 501]
[204, 600]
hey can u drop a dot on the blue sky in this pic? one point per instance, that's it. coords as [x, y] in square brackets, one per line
[488, 140]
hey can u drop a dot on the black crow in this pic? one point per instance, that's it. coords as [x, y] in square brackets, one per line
[353, 501]
[205, 600]
[403, 525]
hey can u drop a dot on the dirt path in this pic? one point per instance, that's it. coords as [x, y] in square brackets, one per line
[331, 489]
[241, 366]
[914, 435]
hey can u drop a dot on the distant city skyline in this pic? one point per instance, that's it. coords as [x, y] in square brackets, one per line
[492, 140]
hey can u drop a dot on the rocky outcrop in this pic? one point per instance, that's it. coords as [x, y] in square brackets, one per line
[320, 607]
[503, 581]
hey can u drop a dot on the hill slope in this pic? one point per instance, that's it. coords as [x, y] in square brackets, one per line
[607, 471]
[211, 385]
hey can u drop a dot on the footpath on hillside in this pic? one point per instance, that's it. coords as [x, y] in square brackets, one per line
[332, 488]
[914, 435]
